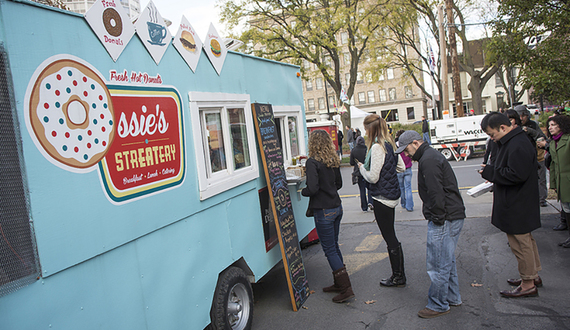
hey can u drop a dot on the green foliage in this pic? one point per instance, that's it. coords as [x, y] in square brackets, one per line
[545, 65]
[406, 127]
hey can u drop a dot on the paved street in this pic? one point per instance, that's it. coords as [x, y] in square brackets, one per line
[484, 262]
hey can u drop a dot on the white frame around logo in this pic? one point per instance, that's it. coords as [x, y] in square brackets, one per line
[216, 183]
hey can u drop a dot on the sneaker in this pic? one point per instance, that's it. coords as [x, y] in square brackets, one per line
[427, 313]
[370, 206]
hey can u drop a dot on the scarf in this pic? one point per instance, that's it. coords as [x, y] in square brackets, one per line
[368, 154]
[556, 138]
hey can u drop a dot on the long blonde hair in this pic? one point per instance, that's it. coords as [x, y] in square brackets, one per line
[322, 149]
[377, 131]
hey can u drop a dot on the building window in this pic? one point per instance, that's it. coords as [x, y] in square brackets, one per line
[287, 119]
[306, 64]
[371, 97]
[347, 78]
[392, 93]
[382, 95]
[390, 73]
[368, 76]
[309, 85]
[361, 98]
[346, 58]
[321, 103]
[389, 115]
[411, 113]
[332, 103]
[223, 134]
[359, 78]
[311, 104]
[328, 61]
[381, 76]
[344, 38]
[498, 82]
[408, 92]
[319, 83]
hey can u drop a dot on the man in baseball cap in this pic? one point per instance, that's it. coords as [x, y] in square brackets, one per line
[443, 208]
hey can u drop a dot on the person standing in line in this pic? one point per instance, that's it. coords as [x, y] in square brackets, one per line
[516, 210]
[339, 137]
[444, 209]
[425, 130]
[350, 138]
[358, 154]
[405, 180]
[559, 149]
[379, 170]
[323, 182]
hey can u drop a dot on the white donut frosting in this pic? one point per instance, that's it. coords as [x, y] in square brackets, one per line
[78, 143]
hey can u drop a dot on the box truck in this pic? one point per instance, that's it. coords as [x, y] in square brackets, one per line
[458, 137]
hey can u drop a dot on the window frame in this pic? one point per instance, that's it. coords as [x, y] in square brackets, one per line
[395, 97]
[213, 183]
[361, 98]
[284, 113]
[371, 99]
[382, 97]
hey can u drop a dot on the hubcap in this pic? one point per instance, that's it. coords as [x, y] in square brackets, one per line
[238, 307]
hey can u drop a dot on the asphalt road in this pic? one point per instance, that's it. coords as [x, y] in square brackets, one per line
[484, 262]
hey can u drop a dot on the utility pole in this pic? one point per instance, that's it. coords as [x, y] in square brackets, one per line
[443, 58]
[454, 59]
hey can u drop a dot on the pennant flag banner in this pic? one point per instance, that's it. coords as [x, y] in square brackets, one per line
[153, 32]
[188, 44]
[215, 49]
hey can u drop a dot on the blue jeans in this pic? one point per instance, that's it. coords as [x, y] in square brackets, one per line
[426, 137]
[363, 201]
[327, 222]
[441, 268]
[405, 180]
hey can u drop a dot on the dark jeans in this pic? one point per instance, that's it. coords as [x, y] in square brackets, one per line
[363, 201]
[385, 220]
[327, 223]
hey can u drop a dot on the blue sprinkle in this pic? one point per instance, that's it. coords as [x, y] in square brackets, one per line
[110, 123]
[146, 141]
[105, 105]
[69, 73]
[92, 86]
[95, 121]
[79, 137]
[57, 104]
[64, 148]
[61, 121]
[48, 86]
[68, 90]
[85, 156]
[96, 141]
[93, 105]
[46, 119]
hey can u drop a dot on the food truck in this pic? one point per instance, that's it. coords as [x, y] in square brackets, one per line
[132, 191]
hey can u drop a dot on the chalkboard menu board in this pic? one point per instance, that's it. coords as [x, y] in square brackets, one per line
[272, 157]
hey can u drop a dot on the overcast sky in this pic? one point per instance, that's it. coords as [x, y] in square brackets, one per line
[200, 13]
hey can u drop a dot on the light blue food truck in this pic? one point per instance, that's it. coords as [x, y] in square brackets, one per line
[132, 192]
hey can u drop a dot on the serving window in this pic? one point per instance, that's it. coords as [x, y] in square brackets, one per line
[287, 121]
[223, 135]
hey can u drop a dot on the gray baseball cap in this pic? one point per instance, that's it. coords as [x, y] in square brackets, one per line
[406, 138]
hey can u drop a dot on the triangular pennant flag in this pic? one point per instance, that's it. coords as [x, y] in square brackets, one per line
[153, 32]
[188, 44]
[215, 49]
[111, 24]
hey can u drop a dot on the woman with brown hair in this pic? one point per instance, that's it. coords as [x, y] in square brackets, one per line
[323, 182]
[380, 171]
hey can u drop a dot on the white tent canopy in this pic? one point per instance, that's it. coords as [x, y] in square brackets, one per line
[357, 118]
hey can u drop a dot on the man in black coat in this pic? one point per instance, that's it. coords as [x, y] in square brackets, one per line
[516, 208]
[444, 209]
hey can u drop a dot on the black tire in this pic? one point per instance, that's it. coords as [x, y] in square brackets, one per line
[232, 307]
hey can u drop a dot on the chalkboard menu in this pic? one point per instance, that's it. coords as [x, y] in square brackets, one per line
[272, 157]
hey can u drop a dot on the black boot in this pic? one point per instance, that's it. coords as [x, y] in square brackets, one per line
[398, 277]
[563, 225]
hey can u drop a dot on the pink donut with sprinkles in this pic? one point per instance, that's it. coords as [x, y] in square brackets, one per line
[71, 114]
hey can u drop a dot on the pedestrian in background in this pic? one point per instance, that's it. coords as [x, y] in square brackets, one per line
[405, 180]
[444, 209]
[339, 137]
[358, 154]
[559, 149]
[425, 130]
[323, 182]
[516, 210]
[350, 137]
[379, 170]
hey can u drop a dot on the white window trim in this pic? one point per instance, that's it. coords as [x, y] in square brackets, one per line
[229, 178]
[282, 111]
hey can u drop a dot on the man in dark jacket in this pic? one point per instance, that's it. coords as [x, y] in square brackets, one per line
[425, 130]
[358, 154]
[515, 198]
[443, 208]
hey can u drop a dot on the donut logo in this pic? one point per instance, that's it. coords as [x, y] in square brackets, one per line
[70, 114]
[112, 22]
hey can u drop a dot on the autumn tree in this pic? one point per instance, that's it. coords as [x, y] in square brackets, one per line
[320, 32]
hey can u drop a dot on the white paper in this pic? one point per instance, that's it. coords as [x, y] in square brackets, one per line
[188, 44]
[480, 189]
[111, 24]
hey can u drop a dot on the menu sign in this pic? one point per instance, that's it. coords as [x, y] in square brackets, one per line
[272, 157]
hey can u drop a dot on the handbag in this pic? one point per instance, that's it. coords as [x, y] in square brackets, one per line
[354, 178]
[309, 212]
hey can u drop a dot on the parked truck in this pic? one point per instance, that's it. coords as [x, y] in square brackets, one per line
[132, 192]
[458, 137]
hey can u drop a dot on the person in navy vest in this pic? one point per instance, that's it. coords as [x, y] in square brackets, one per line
[379, 170]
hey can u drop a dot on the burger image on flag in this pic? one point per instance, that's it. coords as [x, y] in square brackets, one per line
[187, 41]
[215, 47]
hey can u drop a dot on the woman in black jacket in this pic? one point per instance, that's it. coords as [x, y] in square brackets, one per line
[323, 182]
[358, 153]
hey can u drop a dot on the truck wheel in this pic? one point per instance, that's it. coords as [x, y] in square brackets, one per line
[466, 150]
[446, 153]
[232, 307]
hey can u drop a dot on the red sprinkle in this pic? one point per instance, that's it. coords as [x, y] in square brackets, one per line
[104, 143]
[103, 128]
[58, 77]
[89, 132]
[85, 93]
[102, 116]
[84, 79]
[57, 92]
[76, 149]
[89, 145]
[53, 133]
[75, 83]
[46, 105]
[67, 135]
[100, 97]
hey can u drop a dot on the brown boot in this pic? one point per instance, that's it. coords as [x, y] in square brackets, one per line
[333, 288]
[341, 278]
